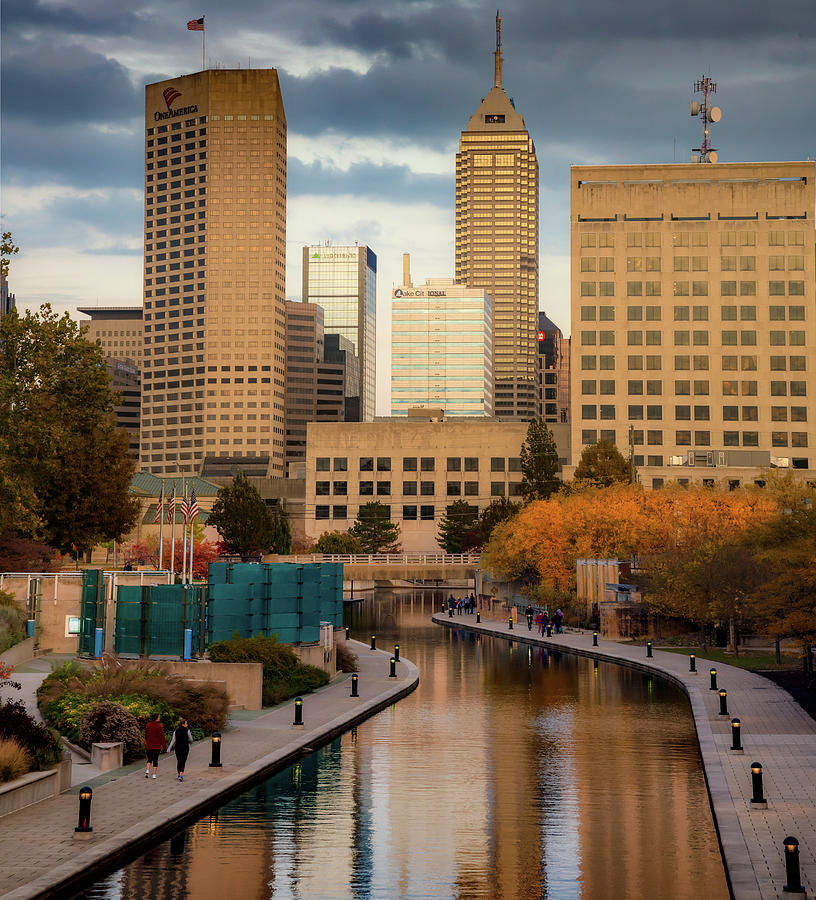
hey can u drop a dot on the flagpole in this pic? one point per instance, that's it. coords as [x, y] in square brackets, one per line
[191, 552]
[203, 42]
[161, 527]
[184, 530]
[173, 539]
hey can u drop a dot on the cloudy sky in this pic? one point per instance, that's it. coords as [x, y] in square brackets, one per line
[376, 94]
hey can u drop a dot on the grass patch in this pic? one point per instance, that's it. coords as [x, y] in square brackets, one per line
[750, 659]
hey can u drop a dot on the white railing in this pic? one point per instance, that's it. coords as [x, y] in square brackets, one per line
[375, 559]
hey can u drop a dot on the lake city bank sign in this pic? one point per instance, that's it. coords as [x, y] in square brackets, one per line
[170, 95]
[399, 292]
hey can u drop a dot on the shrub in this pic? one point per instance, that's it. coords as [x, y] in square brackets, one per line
[42, 747]
[14, 761]
[12, 622]
[346, 659]
[107, 721]
[284, 675]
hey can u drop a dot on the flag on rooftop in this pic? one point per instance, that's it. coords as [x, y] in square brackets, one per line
[196, 24]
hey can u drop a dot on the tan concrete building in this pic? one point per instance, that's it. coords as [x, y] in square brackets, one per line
[214, 277]
[416, 466]
[497, 238]
[117, 328]
[693, 316]
[441, 348]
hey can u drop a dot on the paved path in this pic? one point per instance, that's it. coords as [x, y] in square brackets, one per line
[776, 732]
[39, 853]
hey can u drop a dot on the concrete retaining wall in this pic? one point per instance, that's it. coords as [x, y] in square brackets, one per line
[19, 653]
[35, 787]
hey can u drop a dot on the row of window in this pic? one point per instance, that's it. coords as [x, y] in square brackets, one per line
[776, 238]
[776, 263]
[701, 412]
[728, 313]
[694, 288]
[414, 488]
[728, 363]
[699, 338]
[701, 439]
[421, 463]
[410, 512]
[683, 387]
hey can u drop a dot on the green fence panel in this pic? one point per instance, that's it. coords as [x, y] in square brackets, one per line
[91, 609]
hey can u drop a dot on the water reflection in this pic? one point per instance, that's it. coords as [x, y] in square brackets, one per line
[510, 773]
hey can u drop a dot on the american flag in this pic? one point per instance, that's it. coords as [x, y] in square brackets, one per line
[159, 505]
[185, 509]
[192, 508]
[196, 24]
[171, 507]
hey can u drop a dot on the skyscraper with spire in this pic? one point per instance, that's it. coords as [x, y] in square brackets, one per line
[497, 237]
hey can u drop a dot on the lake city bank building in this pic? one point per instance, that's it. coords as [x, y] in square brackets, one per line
[214, 272]
[693, 317]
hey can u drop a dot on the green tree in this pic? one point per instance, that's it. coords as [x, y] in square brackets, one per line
[281, 532]
[243, 520]
[337, 542]
[539, 463]
[497, 511]
[7, 249]
[459, 520]
[65, 469]
[374, 529]
[602, 465]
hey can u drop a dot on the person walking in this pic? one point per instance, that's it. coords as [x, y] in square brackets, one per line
[155, 742]
[182, 740]
[559, 621]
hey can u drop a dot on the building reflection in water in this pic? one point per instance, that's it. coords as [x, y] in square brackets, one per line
[509, 773]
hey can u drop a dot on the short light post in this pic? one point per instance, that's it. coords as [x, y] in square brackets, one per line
[793, 877]
[348, 632]
[450, 612]
[510, 623]
[373, 642]
[396, 652]
[594, 638]
[354, 680]
[215, 762]
[713, 675]
[723, 702]
[736, 736]
[478, 617]
[393, 672]
[692, 663]
[758, 800]
[298, 723]
[549, 629]
[84, 821]
[649, 649]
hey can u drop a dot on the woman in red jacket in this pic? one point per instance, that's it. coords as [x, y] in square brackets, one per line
[155, 742]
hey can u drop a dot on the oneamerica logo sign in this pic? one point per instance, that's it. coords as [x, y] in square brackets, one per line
[170, 95]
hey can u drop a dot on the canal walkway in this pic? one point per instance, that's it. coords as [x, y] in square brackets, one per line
[776, 732]
[40, 855]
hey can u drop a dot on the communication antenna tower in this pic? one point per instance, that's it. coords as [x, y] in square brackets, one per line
[710, 115]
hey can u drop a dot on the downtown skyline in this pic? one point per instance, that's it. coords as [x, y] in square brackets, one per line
[371, 151]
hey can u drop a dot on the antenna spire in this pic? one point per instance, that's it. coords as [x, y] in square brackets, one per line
[497, 77]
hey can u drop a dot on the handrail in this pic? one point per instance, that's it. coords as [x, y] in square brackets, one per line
[421, 559]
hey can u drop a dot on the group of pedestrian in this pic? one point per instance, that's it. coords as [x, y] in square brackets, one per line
[545, 624]
[156, 742]
[466, 605]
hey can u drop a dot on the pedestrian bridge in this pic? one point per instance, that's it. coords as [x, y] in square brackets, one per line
[394, 566]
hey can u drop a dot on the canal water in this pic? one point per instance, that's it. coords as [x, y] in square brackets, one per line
[509, 773]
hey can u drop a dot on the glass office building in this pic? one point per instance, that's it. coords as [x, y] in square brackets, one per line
[343, 280]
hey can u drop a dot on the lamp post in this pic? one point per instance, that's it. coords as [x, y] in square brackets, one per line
[713, 675]
[758, 800]
[216, 750]
[692, 663]
[354, 688]
[723, 702]
[84, 822]
[298, 723]
[736, 736]
[793, 878]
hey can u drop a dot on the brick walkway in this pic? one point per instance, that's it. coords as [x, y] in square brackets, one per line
[39, 852]
[776, 732]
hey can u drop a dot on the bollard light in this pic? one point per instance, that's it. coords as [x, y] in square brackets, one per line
[348, 632]
[736, 736]
[216, 750]
[450, 612]
[478, 617]
[649, 649]
[396, 652]
[758, 798]
[510, 623]
[549, 629]
[393, 672]
[373, 642]
[84, 823]
[354, 679]
[793, 877]
[713, 674]
[298, 711]
[723, 702]
[594, 638]
[692, 663]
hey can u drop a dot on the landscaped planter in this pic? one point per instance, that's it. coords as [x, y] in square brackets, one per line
[34, 787]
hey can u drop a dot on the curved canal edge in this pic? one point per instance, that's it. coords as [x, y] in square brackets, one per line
[776, 732]
[125, 817]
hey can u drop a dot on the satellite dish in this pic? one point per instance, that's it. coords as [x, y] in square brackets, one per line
[714, 114]
[695, 107]
[712, 156]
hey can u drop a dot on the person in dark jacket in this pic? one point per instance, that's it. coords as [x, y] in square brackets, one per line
[181, 740]
[155, 742]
